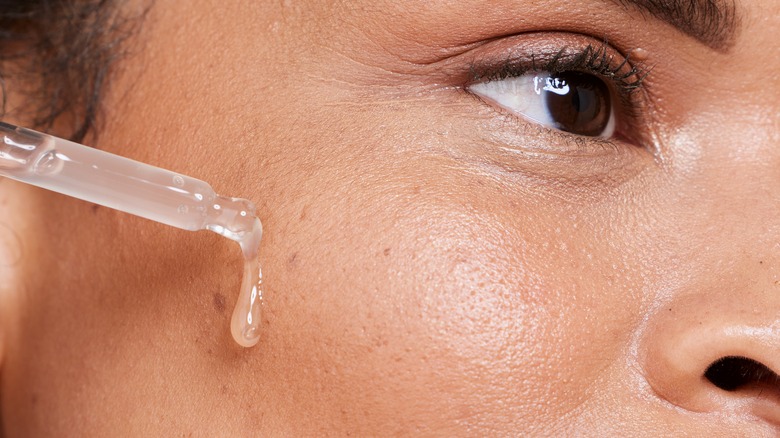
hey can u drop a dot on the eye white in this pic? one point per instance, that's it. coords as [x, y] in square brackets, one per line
[525, 95]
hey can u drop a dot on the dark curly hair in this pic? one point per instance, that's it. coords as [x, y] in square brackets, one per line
[63, 50]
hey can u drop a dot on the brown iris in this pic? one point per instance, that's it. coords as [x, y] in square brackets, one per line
[578, 103]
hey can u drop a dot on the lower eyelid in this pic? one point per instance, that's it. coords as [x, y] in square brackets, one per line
[519, 152]
[515, 145]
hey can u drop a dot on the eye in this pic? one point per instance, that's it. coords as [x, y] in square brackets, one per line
[570, 101]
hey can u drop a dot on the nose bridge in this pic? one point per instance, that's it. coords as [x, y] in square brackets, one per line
[746, 210]
[729, 229]
[733, 185]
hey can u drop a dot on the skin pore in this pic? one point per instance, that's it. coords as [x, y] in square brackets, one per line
[434, 264]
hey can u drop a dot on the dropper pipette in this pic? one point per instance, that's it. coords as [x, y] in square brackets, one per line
[120, 183]
[140, 189]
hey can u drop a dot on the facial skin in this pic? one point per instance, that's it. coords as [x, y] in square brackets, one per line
[433, 264]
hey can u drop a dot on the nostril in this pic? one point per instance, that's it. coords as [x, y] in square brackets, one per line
[732, 373]
[716, 353]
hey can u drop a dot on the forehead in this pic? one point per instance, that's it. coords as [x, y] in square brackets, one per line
[712, 22]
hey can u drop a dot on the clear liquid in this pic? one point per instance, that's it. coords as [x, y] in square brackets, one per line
[234, 219]
[143, 190]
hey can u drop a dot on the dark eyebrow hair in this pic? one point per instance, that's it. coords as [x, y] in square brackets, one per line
[712, 22]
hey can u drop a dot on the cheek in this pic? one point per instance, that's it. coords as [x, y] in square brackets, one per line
[428, 303]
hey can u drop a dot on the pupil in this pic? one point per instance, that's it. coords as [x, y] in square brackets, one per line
[578, 103]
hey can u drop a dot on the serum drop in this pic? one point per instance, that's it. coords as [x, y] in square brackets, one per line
[235, 219]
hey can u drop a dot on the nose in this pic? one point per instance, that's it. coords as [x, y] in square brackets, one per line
[717, 352]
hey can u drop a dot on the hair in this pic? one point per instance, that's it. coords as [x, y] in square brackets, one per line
[62, 52]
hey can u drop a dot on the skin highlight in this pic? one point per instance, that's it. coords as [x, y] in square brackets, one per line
[432, 265]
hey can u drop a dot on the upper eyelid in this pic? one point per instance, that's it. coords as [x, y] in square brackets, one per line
[626, 77]
[600, 60]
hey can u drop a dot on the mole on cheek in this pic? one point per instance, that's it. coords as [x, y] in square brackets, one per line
[220, 302]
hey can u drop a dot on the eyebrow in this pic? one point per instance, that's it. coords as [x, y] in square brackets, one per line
[711, 22]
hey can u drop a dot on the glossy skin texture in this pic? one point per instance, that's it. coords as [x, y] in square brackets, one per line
[433, 265]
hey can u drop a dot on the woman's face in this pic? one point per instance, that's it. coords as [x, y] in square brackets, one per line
[435, 262]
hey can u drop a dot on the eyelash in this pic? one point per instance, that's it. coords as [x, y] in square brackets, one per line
[623, 75]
